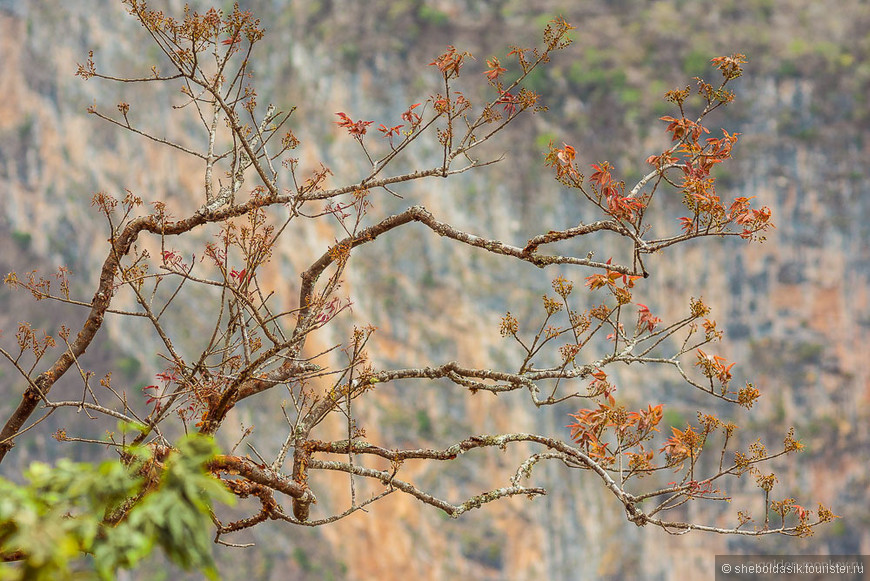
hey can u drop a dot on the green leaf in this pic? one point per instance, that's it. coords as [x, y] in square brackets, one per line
[59, 514]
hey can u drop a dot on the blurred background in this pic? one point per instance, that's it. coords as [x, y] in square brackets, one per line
[795, 309]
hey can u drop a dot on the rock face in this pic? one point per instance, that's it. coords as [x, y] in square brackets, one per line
[796, 309]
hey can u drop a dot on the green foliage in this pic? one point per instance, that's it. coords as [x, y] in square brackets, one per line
[697, 63]
[128, 366]
[22, 239]
[302, 559]
[538, 80]
[424, 424]
[595, 73]
[432, 16]
[544, 140]
[62, 513]
[674, 417]
[487, 548]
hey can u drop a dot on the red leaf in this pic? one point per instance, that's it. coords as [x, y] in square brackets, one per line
[357, 129]
[495, 69]
[602, 174]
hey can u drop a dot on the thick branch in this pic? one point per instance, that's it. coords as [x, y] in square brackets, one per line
[582, 229]
[45, 381]
[100, 304]
[422, 215]
[262, 475]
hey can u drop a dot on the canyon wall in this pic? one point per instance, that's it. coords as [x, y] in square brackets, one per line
[795, 309]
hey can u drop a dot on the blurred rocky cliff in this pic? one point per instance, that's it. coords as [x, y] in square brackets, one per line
[796, 309]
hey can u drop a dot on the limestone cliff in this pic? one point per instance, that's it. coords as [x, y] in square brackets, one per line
[796, 309]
